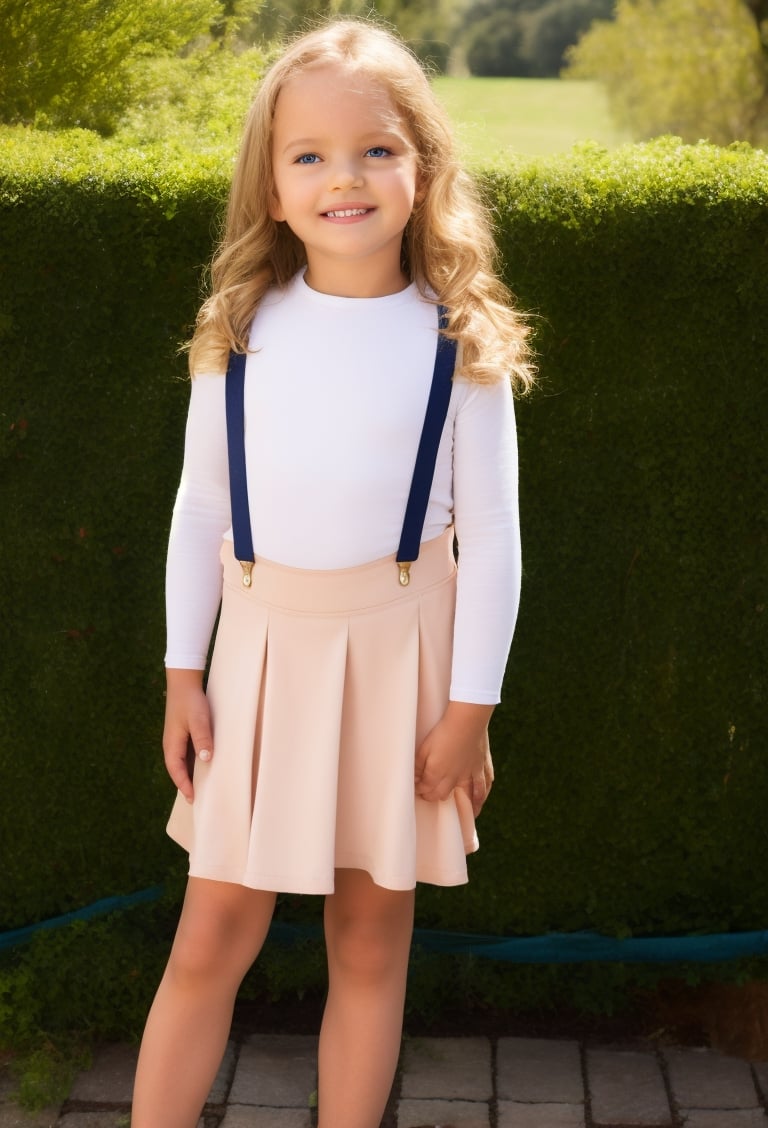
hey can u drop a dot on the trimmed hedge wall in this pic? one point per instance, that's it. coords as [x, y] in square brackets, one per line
[100, 277]
[634, 790]
[631, 744]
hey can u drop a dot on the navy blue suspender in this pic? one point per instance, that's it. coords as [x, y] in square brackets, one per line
[426, 454]
[234, 395]
[423, 471]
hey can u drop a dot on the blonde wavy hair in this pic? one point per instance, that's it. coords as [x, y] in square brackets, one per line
[448, 247]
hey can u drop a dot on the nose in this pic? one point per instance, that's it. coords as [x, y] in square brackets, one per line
[345, 174]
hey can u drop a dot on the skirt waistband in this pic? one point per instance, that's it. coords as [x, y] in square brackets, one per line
[339, 590]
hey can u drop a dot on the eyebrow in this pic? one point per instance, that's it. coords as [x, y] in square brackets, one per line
[302, 143]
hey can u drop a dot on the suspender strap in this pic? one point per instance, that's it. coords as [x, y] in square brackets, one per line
[238, 483]
[423, 471]
[426, 455]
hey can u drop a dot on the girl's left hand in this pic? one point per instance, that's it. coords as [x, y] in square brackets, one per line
[455, 753]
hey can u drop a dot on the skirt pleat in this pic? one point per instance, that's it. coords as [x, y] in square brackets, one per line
[321, 687]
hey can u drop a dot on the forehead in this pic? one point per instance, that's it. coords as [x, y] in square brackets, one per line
[334, 96]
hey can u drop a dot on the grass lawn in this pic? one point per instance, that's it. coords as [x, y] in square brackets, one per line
[532, 116]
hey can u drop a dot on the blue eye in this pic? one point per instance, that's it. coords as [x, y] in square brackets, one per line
[378, 151]
[307, 158]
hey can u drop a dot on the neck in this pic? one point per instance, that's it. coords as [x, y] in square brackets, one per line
[352, 281]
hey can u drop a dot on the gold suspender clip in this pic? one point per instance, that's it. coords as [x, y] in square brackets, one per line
[405, 572]
[247, 566]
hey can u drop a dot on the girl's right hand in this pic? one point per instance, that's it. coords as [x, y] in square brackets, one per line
[187, 726]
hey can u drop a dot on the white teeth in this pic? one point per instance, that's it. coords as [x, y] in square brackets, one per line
[348, 212]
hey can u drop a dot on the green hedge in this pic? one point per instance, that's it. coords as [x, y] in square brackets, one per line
[100, 277]
[635, 721]
[631, 744]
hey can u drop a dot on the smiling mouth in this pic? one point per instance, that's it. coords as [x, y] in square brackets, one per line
[346, 213]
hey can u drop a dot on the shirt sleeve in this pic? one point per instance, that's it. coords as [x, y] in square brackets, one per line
[485, 491]
[201, 516]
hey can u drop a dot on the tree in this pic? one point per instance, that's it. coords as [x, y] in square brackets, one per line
[694, 68]
[493, 45]
[525, 37]
[758, 9]
[230, 25]
[552, 28]
[280, 19]
[72, 63]
[426, 25]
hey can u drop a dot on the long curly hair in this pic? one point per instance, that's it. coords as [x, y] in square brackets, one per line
[448, 246]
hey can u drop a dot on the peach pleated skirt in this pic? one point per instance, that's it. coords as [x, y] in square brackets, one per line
[322, 684]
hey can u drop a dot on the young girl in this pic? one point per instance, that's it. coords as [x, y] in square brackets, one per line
[341, 745]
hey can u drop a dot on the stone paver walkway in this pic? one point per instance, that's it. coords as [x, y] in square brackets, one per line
[268, 1081]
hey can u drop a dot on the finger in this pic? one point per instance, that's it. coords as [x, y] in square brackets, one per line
[479, 794]
[434, 790]
[176, 764]
[425, 772]
[199, 723]
[202, 744]
[420, 762]
[468, 787]
[199, 747]
[426, 790]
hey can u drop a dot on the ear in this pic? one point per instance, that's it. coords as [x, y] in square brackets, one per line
[273, 202]
[275, 207]
[421, 188]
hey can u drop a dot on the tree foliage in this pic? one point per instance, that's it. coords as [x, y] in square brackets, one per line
[526, 38]
[428, 26]
[694, 68]
[193, 103]
[93, 63]
[73, 64]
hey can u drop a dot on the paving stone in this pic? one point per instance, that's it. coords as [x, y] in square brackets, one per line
[706, 1079]
[539, 1069]
[447, 1069]
[457, 1114]
[627, 1087]
[115, 1118]
[223, 1080]
[278, 1070]
[246, 1116]
[761, 1072]
[724, 1118]
[511, 1114]
[11, 1116]
[109, 1078]
[102, 1118]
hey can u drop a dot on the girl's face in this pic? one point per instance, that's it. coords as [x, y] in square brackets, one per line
[345, 179]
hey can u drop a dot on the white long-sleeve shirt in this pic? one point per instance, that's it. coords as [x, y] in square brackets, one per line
[335, 394]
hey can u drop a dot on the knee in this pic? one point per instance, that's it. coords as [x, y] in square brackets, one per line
[219, 937]
[198, 955]
[369, 950]
[357, 948]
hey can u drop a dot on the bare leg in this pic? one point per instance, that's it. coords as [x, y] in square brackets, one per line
[220, 933]
[368, 935]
